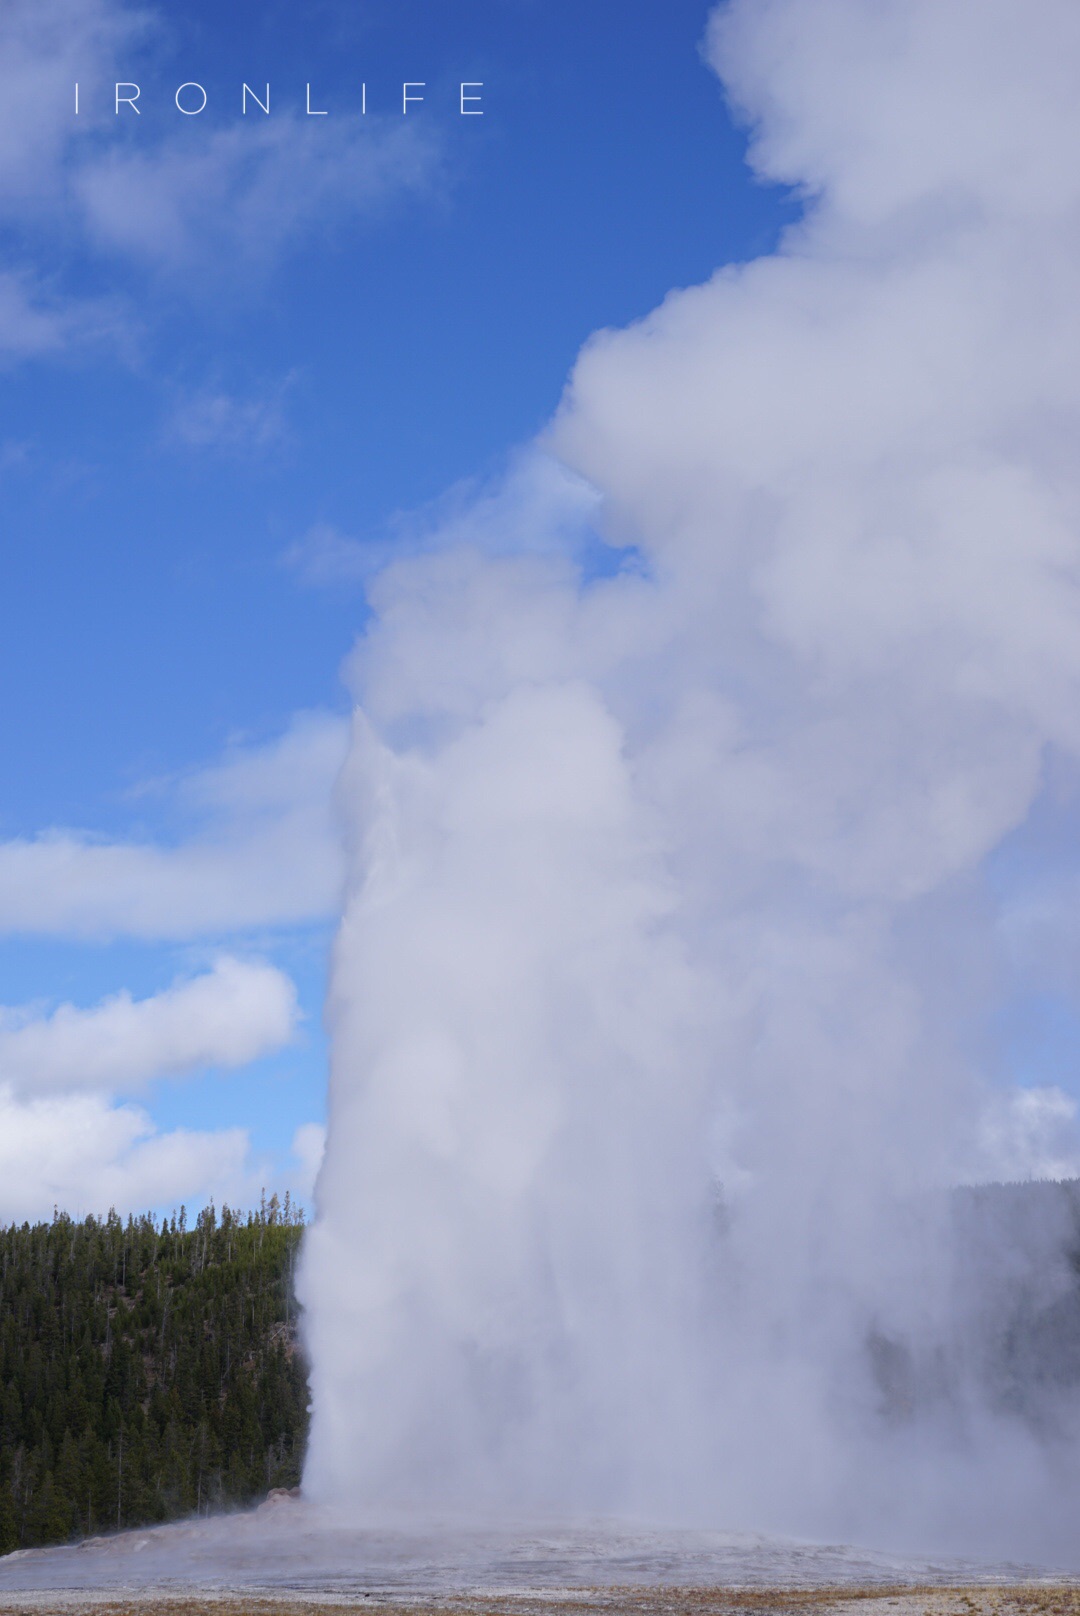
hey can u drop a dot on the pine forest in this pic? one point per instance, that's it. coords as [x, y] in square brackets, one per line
[147, 1371]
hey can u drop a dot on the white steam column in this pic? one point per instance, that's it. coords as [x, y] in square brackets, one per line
[667, 926]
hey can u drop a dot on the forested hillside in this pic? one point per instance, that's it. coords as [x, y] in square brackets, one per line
[147, 1371]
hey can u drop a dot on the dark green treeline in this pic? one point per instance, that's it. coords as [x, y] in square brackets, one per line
[146, 1371]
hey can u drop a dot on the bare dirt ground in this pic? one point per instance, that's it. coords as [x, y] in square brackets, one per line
[1056, 1598]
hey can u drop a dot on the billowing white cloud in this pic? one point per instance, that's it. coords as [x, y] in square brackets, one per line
[83, 1154]
[266, 853]
[227, 1017]
[537, 506]
[905, 115]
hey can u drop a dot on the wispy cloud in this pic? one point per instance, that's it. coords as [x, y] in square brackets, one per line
[36, 321]
[197, 205]
[325, 555]
[45, 47]
[224, 422]
[244, 195]
[264, 852]
[534, 505]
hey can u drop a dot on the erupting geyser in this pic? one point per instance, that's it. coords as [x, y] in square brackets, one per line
[656, 999]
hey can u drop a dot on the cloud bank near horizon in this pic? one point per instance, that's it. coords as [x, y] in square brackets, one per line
[261, 856]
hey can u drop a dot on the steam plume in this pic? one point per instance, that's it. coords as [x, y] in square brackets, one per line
[668, 923]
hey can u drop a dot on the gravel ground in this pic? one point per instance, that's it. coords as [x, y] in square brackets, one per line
[1050, 1598]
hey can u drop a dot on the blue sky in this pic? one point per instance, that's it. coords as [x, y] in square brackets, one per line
[246, 359]
[227, 365]
[380, 354]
